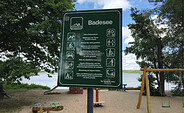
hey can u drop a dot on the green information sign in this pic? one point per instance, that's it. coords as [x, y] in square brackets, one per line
[91, 49]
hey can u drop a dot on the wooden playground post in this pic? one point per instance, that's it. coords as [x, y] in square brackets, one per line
[41, 110]
[142, 88]
[145, 78]
[148, 93]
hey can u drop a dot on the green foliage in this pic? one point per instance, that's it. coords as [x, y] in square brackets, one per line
[176, 92]
[152, 83]
[146, 31]
[174, 12]
[31, 30]
[171, 13]
[24, 86]
[13, 69]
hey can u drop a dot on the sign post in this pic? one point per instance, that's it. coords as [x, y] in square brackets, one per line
[90, 100]
[91, 50]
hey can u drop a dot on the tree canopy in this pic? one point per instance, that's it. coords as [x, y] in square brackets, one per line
[30, 30]
[159, 42]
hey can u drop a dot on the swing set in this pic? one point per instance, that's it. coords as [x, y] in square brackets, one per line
[145, 78]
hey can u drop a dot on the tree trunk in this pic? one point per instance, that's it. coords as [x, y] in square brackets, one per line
[156, 74]
[160, 65]
[179, 91]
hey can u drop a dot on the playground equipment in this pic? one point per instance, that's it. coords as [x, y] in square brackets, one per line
[124, 84]
[145, 78]
[50, 91]
[97, 103]
[166, 105]
[124, 87]
[53, 107]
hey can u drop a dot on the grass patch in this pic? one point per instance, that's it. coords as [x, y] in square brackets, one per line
[24, 87]
[132, 71]
[15, 103]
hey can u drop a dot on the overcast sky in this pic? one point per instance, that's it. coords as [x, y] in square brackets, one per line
[129, 61]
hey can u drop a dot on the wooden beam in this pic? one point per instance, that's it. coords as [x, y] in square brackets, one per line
[148, 94]
[142, 88]
[162, 70]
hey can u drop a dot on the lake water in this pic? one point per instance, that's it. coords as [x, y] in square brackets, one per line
[43, 79]
[128, 78]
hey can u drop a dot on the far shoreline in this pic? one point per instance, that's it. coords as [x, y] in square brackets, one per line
[132, 71]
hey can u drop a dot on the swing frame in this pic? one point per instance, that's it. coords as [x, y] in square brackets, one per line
[145, 78]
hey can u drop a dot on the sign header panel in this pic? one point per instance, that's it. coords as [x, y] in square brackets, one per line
[91, 49]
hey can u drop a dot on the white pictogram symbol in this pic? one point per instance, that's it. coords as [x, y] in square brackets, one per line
[70, 46]
[76, 23]
[70, 55]
[110, 52]
[110, 72]
[110, 62]
[111, 32]
[68, 75]
[111, 42]
[69, 65]
[71, 36]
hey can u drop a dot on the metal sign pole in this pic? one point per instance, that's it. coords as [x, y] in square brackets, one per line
[90, 100]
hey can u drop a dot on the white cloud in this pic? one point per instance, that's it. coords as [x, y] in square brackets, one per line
[127, 35]
[109, 4]
[126, 32]
[154, 17]
[129, 62]
[129, 39]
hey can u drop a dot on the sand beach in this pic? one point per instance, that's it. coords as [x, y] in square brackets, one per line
[114, 102]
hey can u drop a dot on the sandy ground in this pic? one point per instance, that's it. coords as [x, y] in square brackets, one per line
[114, 102]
